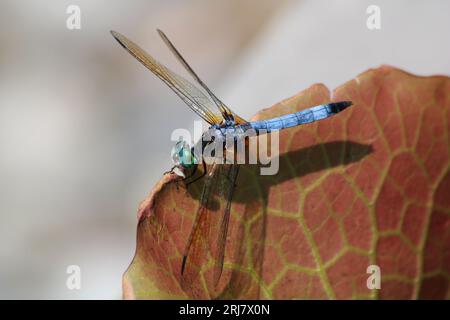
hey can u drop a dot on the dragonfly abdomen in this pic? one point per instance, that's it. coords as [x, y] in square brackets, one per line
[305, 116]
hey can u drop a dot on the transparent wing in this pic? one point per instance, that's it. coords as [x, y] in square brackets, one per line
[224, 110]
[197, 249]
[192, 96]
[233, 170]
[209, 233]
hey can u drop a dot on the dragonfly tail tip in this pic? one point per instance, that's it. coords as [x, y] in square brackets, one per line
[341, 105]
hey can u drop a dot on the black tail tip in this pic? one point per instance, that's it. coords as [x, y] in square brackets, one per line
[341, 105]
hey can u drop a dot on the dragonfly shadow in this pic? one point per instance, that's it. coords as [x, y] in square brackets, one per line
[299, 163]
[246, 242]
[252, 193]
[252, 186]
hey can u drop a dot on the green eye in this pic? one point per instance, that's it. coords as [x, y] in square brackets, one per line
[182, 155]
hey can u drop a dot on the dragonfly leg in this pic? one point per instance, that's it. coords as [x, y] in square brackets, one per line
[200, 176]
[170, 171]
[191, 174]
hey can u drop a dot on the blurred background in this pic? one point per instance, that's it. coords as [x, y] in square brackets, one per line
[85, 129]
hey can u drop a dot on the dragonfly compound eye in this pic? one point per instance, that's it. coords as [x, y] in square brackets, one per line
[182, 155]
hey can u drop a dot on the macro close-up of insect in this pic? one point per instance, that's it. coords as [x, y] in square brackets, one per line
[312, 161]
[223, 125]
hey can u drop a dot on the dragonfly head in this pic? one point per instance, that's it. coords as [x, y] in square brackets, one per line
[183, 155]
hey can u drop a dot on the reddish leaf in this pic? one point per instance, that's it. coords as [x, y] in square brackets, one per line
[368, 186]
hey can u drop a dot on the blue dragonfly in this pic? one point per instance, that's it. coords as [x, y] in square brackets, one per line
[209, 233]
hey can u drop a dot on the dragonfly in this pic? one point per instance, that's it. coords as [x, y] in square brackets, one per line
[207, 239]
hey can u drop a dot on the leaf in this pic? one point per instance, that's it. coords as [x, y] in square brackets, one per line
[370, 186]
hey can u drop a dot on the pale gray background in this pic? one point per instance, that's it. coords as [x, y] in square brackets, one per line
[85, 130]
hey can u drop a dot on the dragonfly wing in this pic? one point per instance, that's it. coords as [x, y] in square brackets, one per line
[209, 233]
[193, 97]
[197, 248]
[232, 173]
[227, 114]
